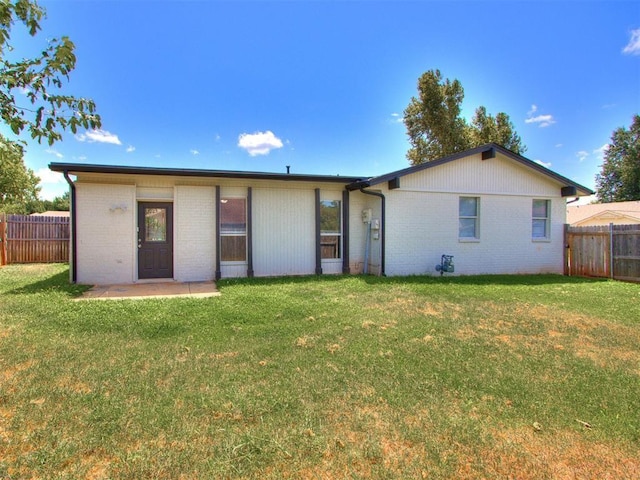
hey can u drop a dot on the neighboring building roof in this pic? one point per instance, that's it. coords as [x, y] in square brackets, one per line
[51, 213]
[488, 151]
[569, 187]
[604, 213]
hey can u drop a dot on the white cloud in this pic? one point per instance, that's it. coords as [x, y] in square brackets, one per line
[396, 118]
[541, 120]
[582, 155]
[100, 136]
[601, 151]
[259, 143]
[131, 149]
[49, 177]
[217, 137]
[193, 151]
[633, 47]
[558, 145]
[544, 164]
[54, 152]
[82, 158]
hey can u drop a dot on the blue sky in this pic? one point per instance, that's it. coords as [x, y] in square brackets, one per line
[321, 86]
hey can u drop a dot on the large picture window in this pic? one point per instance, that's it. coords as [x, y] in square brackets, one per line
[331, 229]
[469, 214]
[233, 229]
[540, 220]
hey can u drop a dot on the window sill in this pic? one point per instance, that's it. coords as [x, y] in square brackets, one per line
[541, 240]
[468, 240]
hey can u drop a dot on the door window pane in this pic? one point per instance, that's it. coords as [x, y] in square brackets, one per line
[155, 225]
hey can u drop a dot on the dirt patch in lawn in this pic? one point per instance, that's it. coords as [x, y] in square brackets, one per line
[584, 336]
[558, 455]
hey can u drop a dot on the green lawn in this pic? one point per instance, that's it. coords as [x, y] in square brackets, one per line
[526, 377]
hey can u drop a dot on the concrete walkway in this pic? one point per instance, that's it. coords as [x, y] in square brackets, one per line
[151, 290]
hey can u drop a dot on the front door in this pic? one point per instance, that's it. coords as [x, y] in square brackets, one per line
[155, 240]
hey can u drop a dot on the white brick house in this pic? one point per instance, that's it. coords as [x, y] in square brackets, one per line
[493, 210]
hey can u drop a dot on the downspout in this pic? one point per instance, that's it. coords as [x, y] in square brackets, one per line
[383, 226]
[74, 242]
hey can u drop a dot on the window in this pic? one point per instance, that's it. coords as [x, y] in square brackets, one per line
[330, 229]
[540, 219]
[155, 224]
[233, 229]
[468, 227]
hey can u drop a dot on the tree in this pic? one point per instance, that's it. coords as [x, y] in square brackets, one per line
[58, 204]
[435, 127]
[18, 184]
[619, 180]
[499, 129]
[47, 111]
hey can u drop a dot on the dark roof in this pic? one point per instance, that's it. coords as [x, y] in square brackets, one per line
[73, 168]
[489, 149]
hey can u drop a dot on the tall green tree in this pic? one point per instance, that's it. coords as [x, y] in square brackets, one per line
[619, 178]
[58, 204]
[436, 128]
[18, 184]
[33, 102]
[31, 89]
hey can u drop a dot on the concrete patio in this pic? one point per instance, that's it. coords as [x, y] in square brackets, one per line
[151, 290]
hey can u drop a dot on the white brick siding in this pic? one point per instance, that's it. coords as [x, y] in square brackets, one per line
[194, 233]
[105, 216]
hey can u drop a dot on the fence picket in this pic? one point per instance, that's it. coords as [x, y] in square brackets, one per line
[596, 251]
[34, 239]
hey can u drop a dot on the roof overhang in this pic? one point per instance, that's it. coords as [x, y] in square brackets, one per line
[488, 151]
[75, 168]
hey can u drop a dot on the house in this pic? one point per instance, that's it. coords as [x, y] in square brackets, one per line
[52, 213]
[618, 213]
[494, 211]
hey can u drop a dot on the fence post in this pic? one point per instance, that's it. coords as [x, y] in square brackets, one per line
[3, 239]
[567, 272]
[611, 250]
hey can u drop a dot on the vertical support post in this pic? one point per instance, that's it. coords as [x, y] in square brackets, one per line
[611, 250]
[567, 250]
[218, 273]
[249, 236]
[318, 235]
[345, 232]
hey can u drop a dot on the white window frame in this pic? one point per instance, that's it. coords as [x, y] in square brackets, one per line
[233, 234]
[476, 218]
[546, 219]
[334, 234]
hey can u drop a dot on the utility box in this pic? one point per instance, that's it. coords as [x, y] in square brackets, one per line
[446, 264]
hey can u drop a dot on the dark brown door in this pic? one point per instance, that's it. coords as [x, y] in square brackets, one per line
[155, 240]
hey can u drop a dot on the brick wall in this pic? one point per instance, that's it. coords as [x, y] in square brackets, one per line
[106, 233]
[194, 233]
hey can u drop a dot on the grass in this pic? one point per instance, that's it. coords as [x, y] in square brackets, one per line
[340, 377]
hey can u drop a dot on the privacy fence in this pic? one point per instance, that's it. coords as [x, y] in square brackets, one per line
[33, 239]
[611, 251]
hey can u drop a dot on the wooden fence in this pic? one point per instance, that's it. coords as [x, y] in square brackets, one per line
[33, 239]
[611, 251]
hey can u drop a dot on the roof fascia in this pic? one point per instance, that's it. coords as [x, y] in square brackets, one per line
[184, 172]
